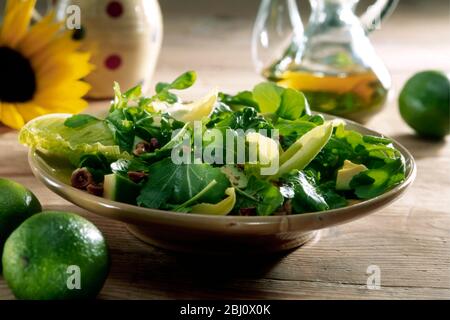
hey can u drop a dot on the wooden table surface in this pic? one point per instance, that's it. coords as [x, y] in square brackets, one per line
[409, 240]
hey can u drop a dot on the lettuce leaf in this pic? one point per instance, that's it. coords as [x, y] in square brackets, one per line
[50, 135]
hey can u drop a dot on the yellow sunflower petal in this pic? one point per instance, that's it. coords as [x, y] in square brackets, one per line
[39, 36]
[10, 116]
[9, 5]
[16, 21]
[60, 46]
[72, 67]
[67, 90]
[31, 110]
[63, 105]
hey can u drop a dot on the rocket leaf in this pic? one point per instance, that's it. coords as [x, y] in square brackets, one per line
[171, 183]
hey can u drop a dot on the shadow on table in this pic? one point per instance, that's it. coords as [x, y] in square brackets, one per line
[163, 274]
[421, 147]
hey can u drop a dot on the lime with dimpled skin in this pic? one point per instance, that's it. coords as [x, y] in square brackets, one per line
[17, 203]
[424, 104]
[55, 255]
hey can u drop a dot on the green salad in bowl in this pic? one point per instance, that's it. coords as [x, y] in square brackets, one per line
[256, 153]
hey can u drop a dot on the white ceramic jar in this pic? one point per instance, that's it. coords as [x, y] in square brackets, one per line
[124, 37]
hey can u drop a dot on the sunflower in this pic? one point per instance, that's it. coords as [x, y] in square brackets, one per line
[40, 67]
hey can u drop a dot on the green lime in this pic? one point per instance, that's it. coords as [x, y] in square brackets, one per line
[55, 255]
[17, 203]
[425, 103]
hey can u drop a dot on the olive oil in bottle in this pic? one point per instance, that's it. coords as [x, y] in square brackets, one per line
[353, 95]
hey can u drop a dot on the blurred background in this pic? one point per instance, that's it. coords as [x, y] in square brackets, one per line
[417, 31]
[213, 37]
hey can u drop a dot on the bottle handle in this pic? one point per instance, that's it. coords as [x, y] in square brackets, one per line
[377, 12]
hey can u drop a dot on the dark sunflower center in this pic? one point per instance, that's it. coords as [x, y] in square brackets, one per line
[17, 78]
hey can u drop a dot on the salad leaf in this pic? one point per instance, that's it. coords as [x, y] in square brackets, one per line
[350, 145]
[287, 103]
[49, 134]
[121, 166]
[79, 120]
[196, 110]
[246, 118]
[157, 126]
[260, 195]
[123, 100]
[170, 183]
[132, 116]
[291, 131]
[293, 104]
[221, 208]
[97, 164]
[268, 97]
[122, 128]
[240, 100]
[307, 196]
[175, 142]
[367, 145]
[184, 81]
[331, 196]
[374, 182]
[304, 150]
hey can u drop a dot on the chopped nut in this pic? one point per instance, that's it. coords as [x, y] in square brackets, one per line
[81, 178]
[287, 206]
[95, 189]
[141, 148]
[154, 143]
[137, 176]
[247, 211]
[144, 146]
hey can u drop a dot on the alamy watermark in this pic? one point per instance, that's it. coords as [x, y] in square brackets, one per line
[74, 279]
[214, 146]
[73, 17]
[374, 277]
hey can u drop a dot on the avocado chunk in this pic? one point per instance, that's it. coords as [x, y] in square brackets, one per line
[346, 174]
[121, 189]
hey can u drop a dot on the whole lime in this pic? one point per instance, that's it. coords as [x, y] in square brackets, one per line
[425, 103]
[17, 203]
[55, 255]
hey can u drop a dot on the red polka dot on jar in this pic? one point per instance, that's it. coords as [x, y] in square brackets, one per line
[114, 9]
[113, 62]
